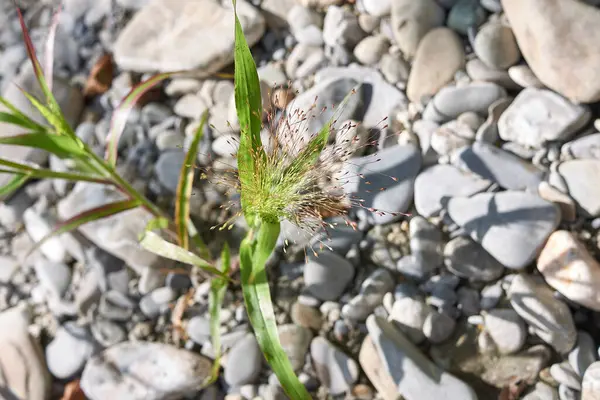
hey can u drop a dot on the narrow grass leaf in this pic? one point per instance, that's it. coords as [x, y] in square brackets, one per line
[16, 168]
[121, 113]
[14, 119]
[15, 183]
[199, 246]
[61, 146]
[248, 103]
[184, 187]
[255, 286]
[218, 287]
[156, 224]
[91, 215]
[16, 112]
[157, 245]
[54, 118]
[49, 49]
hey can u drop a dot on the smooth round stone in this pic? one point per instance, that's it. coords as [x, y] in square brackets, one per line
[523, 76]
[190, 106]
[169, 140]
[590, 387]
[468, 301]
[308, 317]
[582, 188]
[480, 71]
[439, 55]
[587, 146]
[69, 351]
[295, 341]
[410, 315]
[378, 8]
[168, 167]
[522, 122]
[115, 373]
[440, 182]
[393, 68]
[496, 46]
[198, 329]
[368, 23]
[566, 393]
[327, 275]
[438, 327]
[583, 354]
[309, 35]
[157, 301]
[107, 333]
[564, 375]
[569, 268]
[38, 228]
[340, 27]
[548, 317]
[412, 20]
[299, 17]
[450, 137]
[467, 259]
[226, 145]
[115, 306]
[54, 276]
[506, 329]
[465, 14]
[451, 101]
[372, 290]
[336, 371]
[370, 50]
[244, 362]
[542, 391]
[178, 281]
[491, 295]
[566, 204]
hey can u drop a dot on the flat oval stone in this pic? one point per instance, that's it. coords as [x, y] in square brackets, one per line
[467, 259]
[580, 176]
[327, 275]
[583, 147]
[506, 329]
[336, 371]
[244, 362]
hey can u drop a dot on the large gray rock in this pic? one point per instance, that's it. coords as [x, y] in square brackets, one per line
[467, 259]
[512, 226]
[118, 234]
[537, 116]
[327, 275]
[23, 373]
[243, 362]
[580, 176]
[416, 377]
[144, 371]
[557, 43]
[174, 35]
[411, 20]
[548, 317]
[336, 371]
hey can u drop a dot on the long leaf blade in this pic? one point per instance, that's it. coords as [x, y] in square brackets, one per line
[15, 183]
[17, 113]
[61, 146]
[120, 114]
[13, 119]
[257, 296]
[16, 168]
[94, 214]
[184, 187]
[157, 245]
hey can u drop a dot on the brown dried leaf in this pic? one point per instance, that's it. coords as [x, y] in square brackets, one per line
[100, 78]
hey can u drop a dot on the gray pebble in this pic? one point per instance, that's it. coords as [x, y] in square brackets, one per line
[583, 354]
[438, 327]
[157, 301]
[244, 362]
[107, 333]
[198, 329]
[564, 375]
[115, 306]
[327, 275]
[336, 371]
[467, 259]
[70, 349]
[506, 329]
[54, 276]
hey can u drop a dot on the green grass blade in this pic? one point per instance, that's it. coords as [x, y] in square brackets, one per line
[91, 215]
[61, 146]
[218, 287]
[120, 114]
[14, 119]
[255, 286]
[156, 224]
[157, 245]
[34, 126]
[15, 183]
[16, 168]
[248, 103]
[184, 187]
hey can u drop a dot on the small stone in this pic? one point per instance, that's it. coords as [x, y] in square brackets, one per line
[378, 8]
[305, 316]
[450, 137]
[491, 295]
[426, 249]
[310, 35]
[168, 167]
[107, 333]
[295, 341]
[542, 391]
[582, 189]
[299, 17]
[496, 46]
[327, 275]
[506, 329]
[370, 296]
[587, 146]
[115, 306]
[563, 201]
[438, 327]
[523, 76]
[439, 55]
[394, 69]
[340, 27]
[468, 301]
[157, 301]
[115, 373]
[336, 371]
[244, 362]
[524, 366]
[480, 71]
[370, 50]
[198, 329]
[467, 259]
[226, 145]
[583, 354]
[564, 375]
[54, 276]
[522, 121]
[69, 351]
[464, 15]
[411, 21]
[38, 228]
[410, 315]
[512, 226]
[569, 268]
[590, 387]
[548, 317]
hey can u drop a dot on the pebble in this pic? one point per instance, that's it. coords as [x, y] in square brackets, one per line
[467, 259]
[569, 268]
[491, 295]
[115, 306]
[370, 50]
[309, 35]
[480, 71]
[24, 373]
[506, 329]
[451, 101]
[555, 42]
[566, 204]
[340, 27]
[464, 15]
[107, 333]
[566, 393]
[418, 378]
[198, 329]
[168, 167]
[426, 250]
[336, 371]
[115, 373]
[295, 340]
[524, 366]
[542, 391]
[378, 8]
[411, 21]
[435, 185]
[299, 17]
[450, 137]
[327, 275]
[499, 166]
[468, 301]
[512, 226]
[70, 349]
[587, 146]
[410, 314]
[439, 55]
[523, 76]
[244, 362]
[496, 46]
[438, 327]
[394, 69]
[402, 162]
[564, 375]
[157, 301]
[38, 228]
[165, 22]
[371, 293]
[306, 316]
[590, 387]
[583, 354]
[548, 317]
[522, 122]
[576, 174]
[54, 276]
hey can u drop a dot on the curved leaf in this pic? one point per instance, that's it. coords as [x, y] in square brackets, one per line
[16, 168]
[61, 146]
[17, 120]
[15, 183]
[254, 253]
